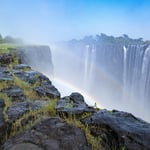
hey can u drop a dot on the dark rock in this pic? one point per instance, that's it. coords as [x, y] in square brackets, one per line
[49, 134]
[27, 76]
[22, 66]
[3, 125]
[2, 104]
[15, 93]
[73, 104]
[47, 89]
[37, 104]
[5, 74]
[31, 76]
[16, 110]
[77, 97]
[6, 58]
[119, 129]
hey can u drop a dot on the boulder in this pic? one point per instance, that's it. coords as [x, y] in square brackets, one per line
[6, 58]
[16, 110]
[31, 76]
[49, 134]
[27, 76]
[21, 66]
[73, 104]
[119, 130]
[15, 93]
[47, 89]
[5, 74]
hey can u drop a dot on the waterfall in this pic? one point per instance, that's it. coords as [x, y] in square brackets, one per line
[125, 65]
[116, 75]
[89, 64]
[92, 65]
[145, 72]
[86, 66]
[124, 74]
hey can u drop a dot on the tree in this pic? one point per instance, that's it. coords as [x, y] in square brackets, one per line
[9, 39]
[1, 39]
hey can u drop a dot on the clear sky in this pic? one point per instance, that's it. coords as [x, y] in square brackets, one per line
[52, 20]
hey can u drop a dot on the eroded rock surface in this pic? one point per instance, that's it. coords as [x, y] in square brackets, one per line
[15, 92]
[4, 126]
[49, 134]
[5, 74]
[119, 129]
[47, 89]
[6, 59]
[73, 104]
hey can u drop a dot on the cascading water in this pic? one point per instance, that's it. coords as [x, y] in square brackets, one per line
[136, 79]
[86, 65]
[89, 64]
[117, 76]
[145, 72]
[125, 68]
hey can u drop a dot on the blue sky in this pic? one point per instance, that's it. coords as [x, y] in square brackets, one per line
[51, 20]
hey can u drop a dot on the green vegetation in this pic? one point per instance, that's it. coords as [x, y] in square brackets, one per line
[10, 40]
[30, 118]
[104, 39]
[93, 141]
[50, 108]
[7, 104]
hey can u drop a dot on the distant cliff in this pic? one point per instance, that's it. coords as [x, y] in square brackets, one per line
[38, 57]
[119, 68]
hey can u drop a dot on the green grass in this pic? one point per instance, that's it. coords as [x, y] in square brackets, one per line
[27, 88]
[50, 108]
[4, 48]
[95, 142]
[7, 104]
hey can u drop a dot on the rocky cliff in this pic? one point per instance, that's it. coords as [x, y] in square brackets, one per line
[33, 115]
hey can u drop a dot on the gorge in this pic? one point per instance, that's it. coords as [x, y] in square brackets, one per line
[113, 71]
[34, 114]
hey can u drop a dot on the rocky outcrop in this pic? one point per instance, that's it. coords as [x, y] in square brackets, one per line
[5, 74]
[47, 89]
[15, 92]
[17, 84]
[22, 66]
[49, 134]
[73, 104]
[6, 59]
[119, 130]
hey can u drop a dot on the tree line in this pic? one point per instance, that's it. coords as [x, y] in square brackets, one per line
[10, 39]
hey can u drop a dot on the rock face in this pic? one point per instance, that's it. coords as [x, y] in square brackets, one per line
[119, 129]
[49, 134]
[73, 104]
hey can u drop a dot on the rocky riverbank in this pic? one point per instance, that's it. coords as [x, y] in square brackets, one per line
[33, 115]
